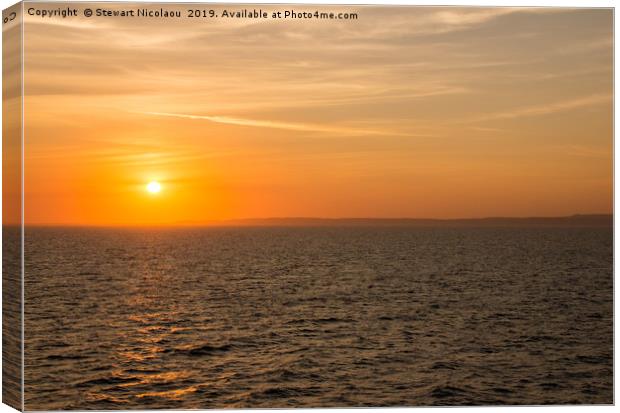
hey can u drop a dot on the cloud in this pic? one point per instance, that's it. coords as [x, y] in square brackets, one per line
[587, 151]
[540, 110]
[453, 18]
[438, 20]
[302, 127]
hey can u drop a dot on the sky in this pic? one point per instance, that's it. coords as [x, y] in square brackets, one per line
[420, 112]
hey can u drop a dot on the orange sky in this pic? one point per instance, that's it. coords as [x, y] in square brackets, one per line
[406, 112]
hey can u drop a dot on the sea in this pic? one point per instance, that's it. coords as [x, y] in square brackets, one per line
[350, 316]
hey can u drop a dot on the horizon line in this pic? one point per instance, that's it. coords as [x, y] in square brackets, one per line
[250, 221]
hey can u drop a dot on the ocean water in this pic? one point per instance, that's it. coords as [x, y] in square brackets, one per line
[314, 317]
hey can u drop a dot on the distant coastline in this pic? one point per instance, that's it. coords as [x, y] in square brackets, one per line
[572, 221]
[590, 220]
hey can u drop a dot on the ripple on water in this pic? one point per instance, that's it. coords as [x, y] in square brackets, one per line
[317, 317]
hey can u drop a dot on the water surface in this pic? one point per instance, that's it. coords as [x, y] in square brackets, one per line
[313, 317]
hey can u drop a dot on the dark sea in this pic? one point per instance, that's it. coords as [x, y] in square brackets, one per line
[317, 317]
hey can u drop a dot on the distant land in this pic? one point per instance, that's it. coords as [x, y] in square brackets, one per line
[576, 221]
[591, 220]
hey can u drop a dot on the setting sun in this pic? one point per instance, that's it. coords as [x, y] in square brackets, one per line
[153, 187]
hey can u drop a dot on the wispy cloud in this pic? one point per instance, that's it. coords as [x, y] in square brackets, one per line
[302, 127]
[483, 129]
[586, 151]
[546, 109]
[434, 21]
[471, 17]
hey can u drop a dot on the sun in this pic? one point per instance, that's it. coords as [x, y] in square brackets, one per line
[153, 187]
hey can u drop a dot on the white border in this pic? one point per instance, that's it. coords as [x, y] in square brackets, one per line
[502, 3]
